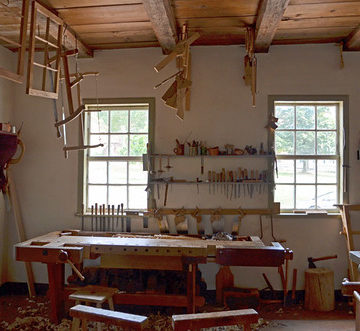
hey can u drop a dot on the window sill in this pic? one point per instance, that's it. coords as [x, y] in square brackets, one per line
[307, 215]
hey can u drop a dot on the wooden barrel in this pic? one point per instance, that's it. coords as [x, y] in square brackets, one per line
[319, 289]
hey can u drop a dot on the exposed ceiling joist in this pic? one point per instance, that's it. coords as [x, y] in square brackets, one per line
[161, 15]
[268, 19]
[69, 37]
[352, 42]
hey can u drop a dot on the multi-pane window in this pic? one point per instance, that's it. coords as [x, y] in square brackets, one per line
[308, 150]
[114, 173]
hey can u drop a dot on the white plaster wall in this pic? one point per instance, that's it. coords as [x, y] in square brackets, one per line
[221, 113]
[7, 95]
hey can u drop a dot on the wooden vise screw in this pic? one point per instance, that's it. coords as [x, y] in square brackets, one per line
[64, 257]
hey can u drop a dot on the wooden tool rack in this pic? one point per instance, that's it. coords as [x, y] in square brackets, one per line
[139, 251]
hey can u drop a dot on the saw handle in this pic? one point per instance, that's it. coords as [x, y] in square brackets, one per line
[64, 257]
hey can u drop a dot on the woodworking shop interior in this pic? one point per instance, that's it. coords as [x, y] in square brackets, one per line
[178, 164]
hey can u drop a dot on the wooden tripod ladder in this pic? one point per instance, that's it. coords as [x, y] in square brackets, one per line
[349, 233]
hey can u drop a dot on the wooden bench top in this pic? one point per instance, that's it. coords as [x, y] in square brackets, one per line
[92, 293]
[221, 318]
[124, 320]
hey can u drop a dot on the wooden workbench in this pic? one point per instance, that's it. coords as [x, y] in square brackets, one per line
[141, 251]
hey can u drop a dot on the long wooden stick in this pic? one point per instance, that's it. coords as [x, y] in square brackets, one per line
[20, 230]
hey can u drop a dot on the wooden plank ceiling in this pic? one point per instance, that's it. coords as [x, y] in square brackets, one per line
[111, 24]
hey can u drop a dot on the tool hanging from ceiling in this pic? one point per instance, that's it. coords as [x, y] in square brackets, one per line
[177, 96]
[250, 63]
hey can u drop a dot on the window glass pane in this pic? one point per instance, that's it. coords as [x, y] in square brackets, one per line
[138, 144]
[326, 143]
[285, 114]
[137, 197]
[119, 121]
[305, 117]
[326, 117]
[97, 172]
[305, 197]
[139, 121]
[305, 143]
[286, 171]
[119, 145]
[326, 196]
[117, 195]
[117, 172]
[285, 195]
[99, 121]
[284, 142]
[305, 171]
[326, 171]
[97, 194]
[136, 173]
[99, 139]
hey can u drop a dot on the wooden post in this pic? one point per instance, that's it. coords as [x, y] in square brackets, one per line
[191, 287]
[56, 274]
[319, 289]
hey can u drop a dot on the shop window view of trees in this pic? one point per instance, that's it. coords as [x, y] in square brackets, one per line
[306, 145]
[115, 172]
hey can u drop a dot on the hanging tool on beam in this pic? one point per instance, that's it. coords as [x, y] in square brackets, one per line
[250, 62]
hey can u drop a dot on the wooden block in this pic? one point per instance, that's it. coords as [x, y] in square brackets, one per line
[127, 321]
[319, 289]
[222, 318]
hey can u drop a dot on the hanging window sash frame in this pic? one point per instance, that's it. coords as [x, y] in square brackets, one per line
[50, 18]
[18, 76]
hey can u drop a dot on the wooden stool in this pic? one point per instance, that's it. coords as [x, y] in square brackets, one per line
[221, 318]
[319, 289]
[83, 314]
[94, 294]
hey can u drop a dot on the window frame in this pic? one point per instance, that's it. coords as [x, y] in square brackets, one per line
[82, 164]
[342, 143]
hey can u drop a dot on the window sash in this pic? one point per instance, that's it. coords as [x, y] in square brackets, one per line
[108, 159]
[315, 157]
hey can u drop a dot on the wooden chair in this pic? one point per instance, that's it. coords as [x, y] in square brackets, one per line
[81, 314]
[221, 318]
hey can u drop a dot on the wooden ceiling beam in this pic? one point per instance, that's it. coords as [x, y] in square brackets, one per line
[71, 41]
[269, 16]
[162, 17]
[352, 42]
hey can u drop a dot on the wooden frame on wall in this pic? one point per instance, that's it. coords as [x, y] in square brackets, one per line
[51, 18]
[21, 45]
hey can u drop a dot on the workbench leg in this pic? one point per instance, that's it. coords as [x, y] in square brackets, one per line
[191, 287]
[56, 274]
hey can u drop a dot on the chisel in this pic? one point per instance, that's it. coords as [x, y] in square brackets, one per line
[109, 218]
[92, 218]
[113, 217]
[100, 213]
[209, 180]
[214, 180]
[96, 220]
[117, 216]
[104, 219]
[224, 179]
[122, 217]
